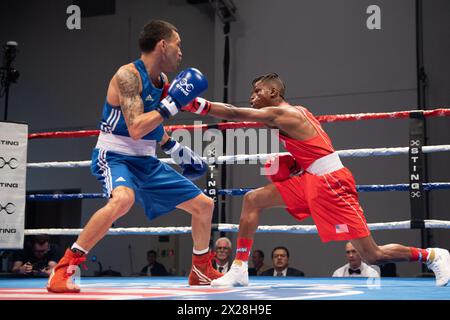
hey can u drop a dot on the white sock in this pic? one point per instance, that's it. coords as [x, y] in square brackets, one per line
[200, 252]
[76, 246]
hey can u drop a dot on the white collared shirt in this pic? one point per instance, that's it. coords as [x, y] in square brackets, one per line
[284, 272]
[367, 271]
[224, 267]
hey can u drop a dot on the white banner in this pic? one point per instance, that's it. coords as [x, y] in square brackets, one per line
[13, 164]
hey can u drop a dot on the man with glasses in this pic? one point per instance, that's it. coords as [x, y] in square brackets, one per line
[222, 261]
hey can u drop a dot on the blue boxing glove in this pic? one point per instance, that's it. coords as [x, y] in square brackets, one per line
[193, 166]
[187, 86]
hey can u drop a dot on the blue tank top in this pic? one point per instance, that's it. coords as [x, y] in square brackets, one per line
[112, 117]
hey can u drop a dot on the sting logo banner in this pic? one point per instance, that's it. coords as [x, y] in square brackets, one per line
[13, 165]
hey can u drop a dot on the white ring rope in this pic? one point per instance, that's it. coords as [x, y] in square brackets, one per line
[299, 229]
[369, 152]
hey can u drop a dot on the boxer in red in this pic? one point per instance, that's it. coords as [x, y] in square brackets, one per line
[311, 181]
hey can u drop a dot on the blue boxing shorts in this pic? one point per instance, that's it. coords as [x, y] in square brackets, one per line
[157, 186]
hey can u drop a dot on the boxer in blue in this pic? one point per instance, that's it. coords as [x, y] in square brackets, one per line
[124, 160]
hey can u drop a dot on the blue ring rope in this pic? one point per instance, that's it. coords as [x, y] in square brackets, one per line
[240, 192]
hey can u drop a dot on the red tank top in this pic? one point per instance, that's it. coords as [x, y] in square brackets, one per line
[307, 151]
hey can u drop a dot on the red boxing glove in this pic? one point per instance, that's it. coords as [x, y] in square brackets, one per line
[198, 106]
[165, 91]
[280, 167]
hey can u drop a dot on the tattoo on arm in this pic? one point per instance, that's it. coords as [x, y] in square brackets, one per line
[130, 101]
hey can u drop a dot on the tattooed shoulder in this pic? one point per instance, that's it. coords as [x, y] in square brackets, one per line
[130, 99]
[128, 82]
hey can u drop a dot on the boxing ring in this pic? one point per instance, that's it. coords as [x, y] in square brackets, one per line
[260, 288]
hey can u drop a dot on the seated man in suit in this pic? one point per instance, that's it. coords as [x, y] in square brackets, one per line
[154, 268]
[223, 259]
[280, 258]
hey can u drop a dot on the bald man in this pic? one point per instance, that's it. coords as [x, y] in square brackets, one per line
[355, 266]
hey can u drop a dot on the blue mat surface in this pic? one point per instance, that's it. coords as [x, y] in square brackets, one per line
[260, 288]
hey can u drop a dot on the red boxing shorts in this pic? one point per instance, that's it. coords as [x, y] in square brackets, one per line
[331, 200]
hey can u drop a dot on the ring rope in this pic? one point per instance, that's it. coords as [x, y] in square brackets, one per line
[298, 229]
[241, 191]
[304, 229]
[441, 112]
[367, 152]
[359, 188]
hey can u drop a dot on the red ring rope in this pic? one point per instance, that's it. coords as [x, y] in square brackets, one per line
[245, 124]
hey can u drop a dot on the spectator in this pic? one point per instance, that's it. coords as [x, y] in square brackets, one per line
[222, 262]
[280, 259]
[355, 266]
[153, 268]
[37, 259]
[258, 263]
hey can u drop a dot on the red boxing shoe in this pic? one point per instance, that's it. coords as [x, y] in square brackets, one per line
[202, 272]
[60, 280]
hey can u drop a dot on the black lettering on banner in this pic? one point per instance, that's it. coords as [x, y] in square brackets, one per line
[11, 185]
[9, 230]
[9, 143]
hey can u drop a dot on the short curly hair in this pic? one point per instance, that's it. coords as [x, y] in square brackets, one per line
[274, 79]
[153, 32]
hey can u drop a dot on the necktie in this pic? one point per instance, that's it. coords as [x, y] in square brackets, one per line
[279, 274]
[357, 271]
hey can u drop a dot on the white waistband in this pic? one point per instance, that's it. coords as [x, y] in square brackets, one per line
[126, 145]
[325, 165]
